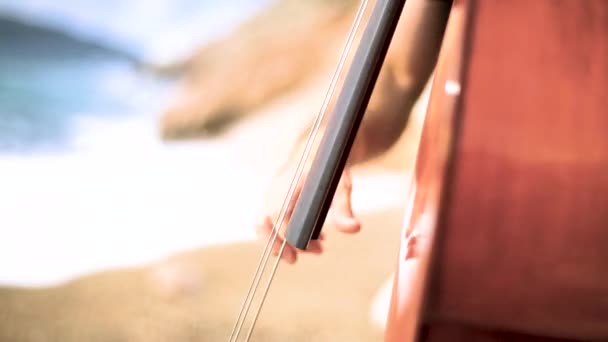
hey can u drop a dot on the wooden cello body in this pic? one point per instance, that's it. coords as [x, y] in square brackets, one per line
[507, 234]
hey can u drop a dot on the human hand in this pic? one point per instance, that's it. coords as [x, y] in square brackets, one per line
[340, 214]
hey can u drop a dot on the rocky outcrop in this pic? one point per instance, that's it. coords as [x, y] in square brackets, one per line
[276, 51]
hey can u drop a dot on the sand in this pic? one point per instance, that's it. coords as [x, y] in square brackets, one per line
[194, 295]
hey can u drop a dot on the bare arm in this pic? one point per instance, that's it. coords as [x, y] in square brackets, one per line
[409, 63]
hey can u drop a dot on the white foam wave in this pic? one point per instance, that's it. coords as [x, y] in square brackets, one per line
[67, 215]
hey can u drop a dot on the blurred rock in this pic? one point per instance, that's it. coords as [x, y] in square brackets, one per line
[278, 50]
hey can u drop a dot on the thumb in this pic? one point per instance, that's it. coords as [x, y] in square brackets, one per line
[342, 211]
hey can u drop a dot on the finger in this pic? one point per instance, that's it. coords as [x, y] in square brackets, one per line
[266, 232]
[264, 229]
[287, 212]
[292, 202]
[290, 255]
[346, 224]
[342, 211]
[314, 247]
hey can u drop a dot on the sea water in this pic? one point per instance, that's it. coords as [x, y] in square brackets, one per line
[86, 183]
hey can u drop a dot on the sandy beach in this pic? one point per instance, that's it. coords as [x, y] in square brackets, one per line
[194, 294]
[132, 238]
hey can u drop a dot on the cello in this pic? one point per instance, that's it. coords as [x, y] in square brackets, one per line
[504, 235]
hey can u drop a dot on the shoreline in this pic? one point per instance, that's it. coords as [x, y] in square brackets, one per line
[199, 292]
[146, 207]
[197, 288]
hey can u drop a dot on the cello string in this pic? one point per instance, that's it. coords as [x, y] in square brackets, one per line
[265, 293]
[276, 227]
[309, 145]
[314, 132]
[262, 263]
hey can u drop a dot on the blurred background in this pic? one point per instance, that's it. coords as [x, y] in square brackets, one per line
[137, 138]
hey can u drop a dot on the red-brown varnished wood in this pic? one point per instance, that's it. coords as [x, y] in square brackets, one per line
[519, 221]
[523, 231]
[416, 249]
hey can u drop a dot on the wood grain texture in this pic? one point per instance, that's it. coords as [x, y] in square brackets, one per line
[415, 255]
[524, 229]
[521, 230]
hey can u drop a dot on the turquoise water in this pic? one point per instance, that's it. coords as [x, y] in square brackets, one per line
[63, 61]
[49, 79]
[86, 184]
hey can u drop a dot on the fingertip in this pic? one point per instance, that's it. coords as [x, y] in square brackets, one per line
[289, 255]
[315, 247]
[347, 224]
[264, 227]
